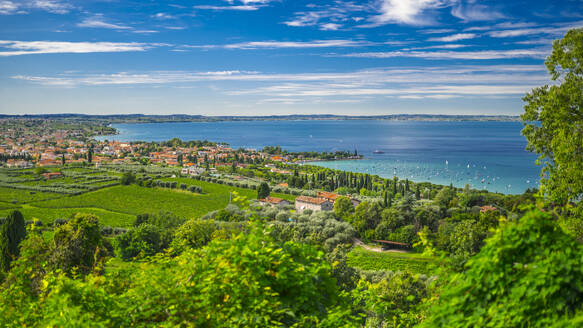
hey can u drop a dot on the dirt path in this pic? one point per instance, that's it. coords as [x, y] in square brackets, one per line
[365, 246]
[376, 248]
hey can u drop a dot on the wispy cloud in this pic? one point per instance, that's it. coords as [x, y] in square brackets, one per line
[471, 11]
[55, 7]
[437, 31]
[445, 55]
[8, 7]
[98, 21]
[454, 37]
[287, 44]
[242, 7]
[336, 15]
[330, 27]
[17, 48]
[20, 7]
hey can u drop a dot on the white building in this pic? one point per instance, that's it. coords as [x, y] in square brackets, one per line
[313, 203]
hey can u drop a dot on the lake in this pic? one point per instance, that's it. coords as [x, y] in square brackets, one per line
[485, 155]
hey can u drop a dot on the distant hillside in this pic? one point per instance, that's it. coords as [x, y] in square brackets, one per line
[140, 118]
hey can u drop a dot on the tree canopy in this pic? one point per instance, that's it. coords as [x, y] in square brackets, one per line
[553, 121]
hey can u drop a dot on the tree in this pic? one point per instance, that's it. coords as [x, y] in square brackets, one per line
[553, 121]
[77, 244]
[194, 233]
[530, 273]
[90, 155]
[127, 178]
[144, 240]
[12, 232]
[263, 190]
[343, 207]
[444, 197]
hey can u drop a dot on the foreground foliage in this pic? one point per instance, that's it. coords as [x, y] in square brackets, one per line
[530, 273]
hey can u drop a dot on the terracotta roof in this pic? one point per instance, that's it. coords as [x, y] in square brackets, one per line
[487, 208]
[330, 195]
[311, 200]
[271, 200]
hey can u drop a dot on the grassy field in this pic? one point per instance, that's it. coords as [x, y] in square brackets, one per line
[117, 206]
[48, 215]
[393, 261]
[8, 195]
[215, 188]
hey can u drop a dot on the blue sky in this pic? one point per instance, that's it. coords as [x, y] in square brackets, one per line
[273, 57]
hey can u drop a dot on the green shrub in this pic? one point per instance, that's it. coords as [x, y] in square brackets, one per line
[530, 273]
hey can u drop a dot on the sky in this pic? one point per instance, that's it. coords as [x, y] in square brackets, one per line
[276, 57]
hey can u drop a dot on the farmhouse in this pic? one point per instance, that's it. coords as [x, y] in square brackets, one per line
[313, 203]
[273, 201]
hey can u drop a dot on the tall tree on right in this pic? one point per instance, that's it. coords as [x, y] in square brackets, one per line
[553, 122]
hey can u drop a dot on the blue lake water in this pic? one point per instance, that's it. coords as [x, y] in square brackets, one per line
[485, 155]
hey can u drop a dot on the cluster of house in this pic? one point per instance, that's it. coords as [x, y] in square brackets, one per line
[324, 201]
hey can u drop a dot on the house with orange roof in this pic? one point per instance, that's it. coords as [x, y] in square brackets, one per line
[273, 201]
[313, 203]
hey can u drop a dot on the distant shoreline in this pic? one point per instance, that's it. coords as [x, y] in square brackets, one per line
[139, 118]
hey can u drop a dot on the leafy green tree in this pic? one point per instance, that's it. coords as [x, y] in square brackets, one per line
[405, 234]
[144, 240]
[247, 281]
[12, 232]
[461, 240]
[367, 216]
[194, 233]
[263, 190]
[343, 207]
[553, 121]
[127, 178]
[444, 197]
[167, 223]
[530, 273]
[77, 244]
[394, 302]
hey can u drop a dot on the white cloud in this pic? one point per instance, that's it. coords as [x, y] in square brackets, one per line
[98, 21]
[444, 55]
[411, 12]
[475, 12]
[339, 13]
[55, 7]
[437, 31]
[550, 30]
[18, 7]
[241, 8]
[8, 7]
[17, 48]
[456, 80]
[330, 27]
[454, 37]
[163, 16]
[287, 44]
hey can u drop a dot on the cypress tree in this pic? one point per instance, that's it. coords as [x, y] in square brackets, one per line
[417, 193]
[12, 232]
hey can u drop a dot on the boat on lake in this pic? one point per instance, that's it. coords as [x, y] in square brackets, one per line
[378, 152]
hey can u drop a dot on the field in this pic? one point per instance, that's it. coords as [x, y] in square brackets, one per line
[8, 195]
[392, 261]
[117, 206]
